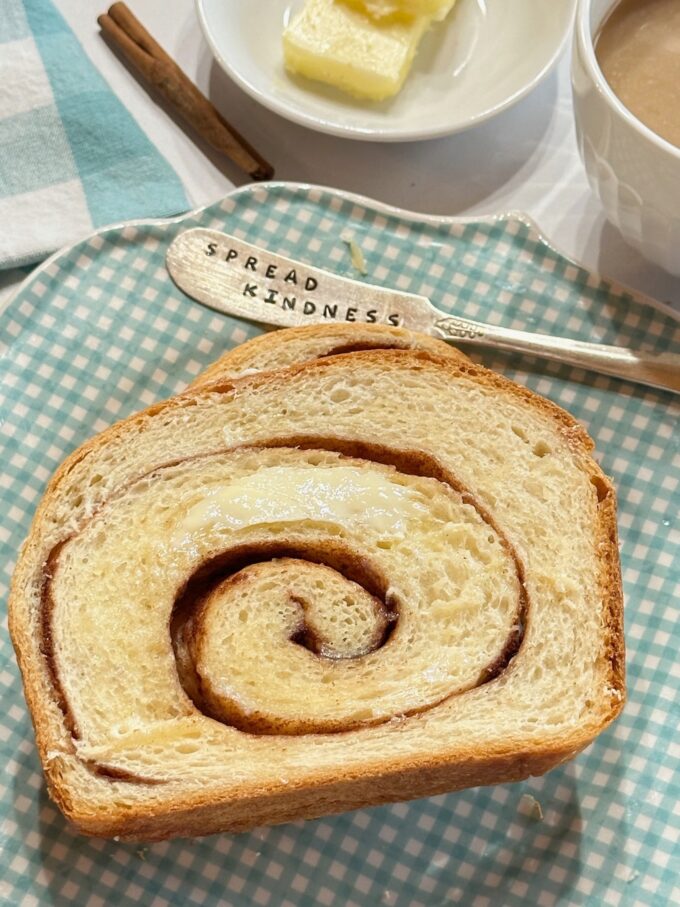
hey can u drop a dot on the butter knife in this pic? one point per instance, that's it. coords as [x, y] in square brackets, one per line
[243, 280]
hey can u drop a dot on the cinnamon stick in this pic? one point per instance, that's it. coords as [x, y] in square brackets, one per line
[161, 72]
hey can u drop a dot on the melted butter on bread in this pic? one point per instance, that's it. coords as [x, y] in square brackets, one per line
[285, 494]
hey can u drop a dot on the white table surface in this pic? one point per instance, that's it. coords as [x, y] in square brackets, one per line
[525, 159]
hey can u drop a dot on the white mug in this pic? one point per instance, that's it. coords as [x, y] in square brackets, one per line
[634, 171]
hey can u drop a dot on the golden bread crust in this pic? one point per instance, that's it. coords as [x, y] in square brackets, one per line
[294, 346]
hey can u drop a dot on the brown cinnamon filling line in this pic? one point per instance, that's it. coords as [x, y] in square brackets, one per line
[306, 636]
[338, 556]
[46, 641]
[363, 346]
[102, 770]
[228, 569]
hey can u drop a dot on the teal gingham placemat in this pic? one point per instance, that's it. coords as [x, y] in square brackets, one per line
[101, 331]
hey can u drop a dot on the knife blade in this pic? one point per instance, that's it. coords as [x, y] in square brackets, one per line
[247, 281]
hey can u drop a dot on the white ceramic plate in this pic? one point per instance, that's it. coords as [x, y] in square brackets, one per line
[487, 55]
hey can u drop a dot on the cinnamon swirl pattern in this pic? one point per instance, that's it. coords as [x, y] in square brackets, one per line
[374, 575]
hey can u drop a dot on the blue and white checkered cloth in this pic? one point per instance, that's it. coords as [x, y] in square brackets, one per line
[71, 156]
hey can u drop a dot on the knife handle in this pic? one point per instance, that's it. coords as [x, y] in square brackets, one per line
[661, 370]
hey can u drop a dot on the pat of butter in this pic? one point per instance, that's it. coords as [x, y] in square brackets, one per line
[331, 42]
[381, 9]
[341, 495]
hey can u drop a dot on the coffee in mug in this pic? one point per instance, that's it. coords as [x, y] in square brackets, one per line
[638, 50]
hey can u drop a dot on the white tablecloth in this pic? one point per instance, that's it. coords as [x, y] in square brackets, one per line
[525, 159]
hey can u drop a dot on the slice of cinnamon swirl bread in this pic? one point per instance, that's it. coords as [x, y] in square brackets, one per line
[338, 581]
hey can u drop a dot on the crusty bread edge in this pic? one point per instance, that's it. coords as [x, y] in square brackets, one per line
[325, 794]
[321, 796]
[341, 339]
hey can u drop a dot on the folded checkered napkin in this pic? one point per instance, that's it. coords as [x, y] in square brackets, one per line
[71, 156]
